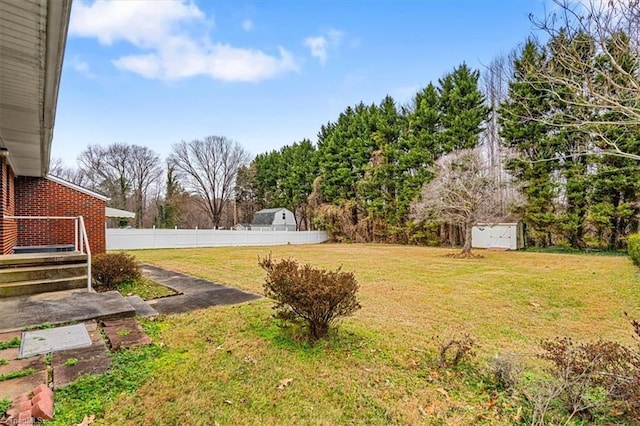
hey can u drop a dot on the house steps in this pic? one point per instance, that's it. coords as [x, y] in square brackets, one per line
[34, 273]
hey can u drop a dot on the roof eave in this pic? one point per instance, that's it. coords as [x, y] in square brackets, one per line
[58, 16]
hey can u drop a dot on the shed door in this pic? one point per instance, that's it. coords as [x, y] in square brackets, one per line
[501, 237]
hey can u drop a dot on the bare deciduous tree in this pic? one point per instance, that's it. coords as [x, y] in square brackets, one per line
[209, 168]
[595, 52]
[123, 172]
[462, 192]
[144, 172]
[107, 171]
[57, 168]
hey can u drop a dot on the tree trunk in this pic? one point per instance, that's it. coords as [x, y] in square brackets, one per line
[466, 248]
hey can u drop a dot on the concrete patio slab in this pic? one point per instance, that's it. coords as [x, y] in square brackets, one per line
[61, 307]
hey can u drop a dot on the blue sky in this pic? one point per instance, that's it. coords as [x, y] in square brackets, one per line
[265, 74]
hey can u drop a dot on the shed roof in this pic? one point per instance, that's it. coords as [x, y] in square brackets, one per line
[264, 217]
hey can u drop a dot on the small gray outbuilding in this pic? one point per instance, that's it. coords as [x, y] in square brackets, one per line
[508, 236]
[278, 219]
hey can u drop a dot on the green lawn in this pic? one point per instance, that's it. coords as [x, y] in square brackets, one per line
[225, 364]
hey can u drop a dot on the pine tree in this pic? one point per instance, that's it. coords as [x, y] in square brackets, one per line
[463, 109]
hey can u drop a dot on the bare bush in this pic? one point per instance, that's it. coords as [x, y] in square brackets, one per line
[506, 370]
[454, 348]
[589, 379]
[111, 269]
[315, 295]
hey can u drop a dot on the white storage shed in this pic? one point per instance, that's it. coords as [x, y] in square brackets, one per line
[279, 219]
[507, 236]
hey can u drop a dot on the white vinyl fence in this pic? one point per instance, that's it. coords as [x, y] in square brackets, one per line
[131, 239]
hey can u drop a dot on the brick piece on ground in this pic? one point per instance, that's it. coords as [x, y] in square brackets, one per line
[42, 388]
[42, 396]
[25, 418]
[91, 325]
[24, 406]
[124, 333]
[43, 409]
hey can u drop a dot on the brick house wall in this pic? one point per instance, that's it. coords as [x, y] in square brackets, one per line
[8, 227]
[36, 196]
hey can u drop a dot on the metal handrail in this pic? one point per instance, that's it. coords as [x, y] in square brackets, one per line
[81, 240]
[85, 239]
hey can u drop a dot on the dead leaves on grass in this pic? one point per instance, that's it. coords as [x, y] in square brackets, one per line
[283, 384]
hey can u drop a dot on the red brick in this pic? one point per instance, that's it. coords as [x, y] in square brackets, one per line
[43, 409]
[43, 388]
[25, 405]
[42, 197]
[25, 418]
[42, 396]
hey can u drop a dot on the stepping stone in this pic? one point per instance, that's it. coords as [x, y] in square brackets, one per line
[10, 335]
[54, 339]
[143, 309]
[10, 353]
[70, 364]
[14, 387]
[124, 333]
[36, 362]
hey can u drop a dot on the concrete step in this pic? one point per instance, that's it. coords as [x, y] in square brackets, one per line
[47, 272]
[22, 288]
[31, 259]
[61, 307]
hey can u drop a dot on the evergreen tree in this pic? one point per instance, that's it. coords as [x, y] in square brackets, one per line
[463, 109]
[533, 167]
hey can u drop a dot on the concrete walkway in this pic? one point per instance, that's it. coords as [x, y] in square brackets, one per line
[195, 293]
[62, 307]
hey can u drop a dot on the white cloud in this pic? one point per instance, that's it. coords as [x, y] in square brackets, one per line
[318, 47]
[165, 33]
[142, 23]
[247, 25]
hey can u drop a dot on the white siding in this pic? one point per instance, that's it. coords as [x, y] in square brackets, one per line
[500, 235]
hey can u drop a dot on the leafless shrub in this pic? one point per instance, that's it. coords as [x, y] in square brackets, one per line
[454, 348]
[315, 295]
[506, 370]
[587, 378]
